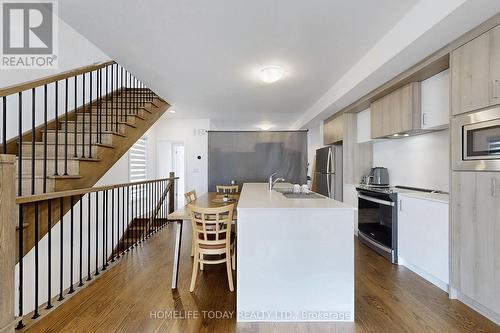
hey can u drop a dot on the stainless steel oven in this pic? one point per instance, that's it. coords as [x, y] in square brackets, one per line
[377, 221]
[476, 141]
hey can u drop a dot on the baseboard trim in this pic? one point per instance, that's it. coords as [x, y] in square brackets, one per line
[490, 314]
[425, 275]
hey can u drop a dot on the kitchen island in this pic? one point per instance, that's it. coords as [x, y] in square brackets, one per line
[295, 257]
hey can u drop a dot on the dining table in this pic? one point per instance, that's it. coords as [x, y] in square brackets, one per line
[180, 215]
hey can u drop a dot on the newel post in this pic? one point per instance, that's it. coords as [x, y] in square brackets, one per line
[171, 194]
[7, 241]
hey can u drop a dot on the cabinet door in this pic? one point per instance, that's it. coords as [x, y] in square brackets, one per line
[436, 101]
[475, 236]
[423, 233]
[333, 130]
[377, 116]
[470, 66]
[495, 65]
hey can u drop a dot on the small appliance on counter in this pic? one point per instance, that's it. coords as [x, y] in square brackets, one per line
[379, 176]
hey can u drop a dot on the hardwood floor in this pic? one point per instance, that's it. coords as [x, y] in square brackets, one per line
[135, 296]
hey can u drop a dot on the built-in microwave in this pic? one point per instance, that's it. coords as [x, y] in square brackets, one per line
[476, 141]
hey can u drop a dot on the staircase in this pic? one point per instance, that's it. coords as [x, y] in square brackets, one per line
[81, 143]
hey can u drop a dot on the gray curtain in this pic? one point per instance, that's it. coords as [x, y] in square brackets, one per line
[252, 156]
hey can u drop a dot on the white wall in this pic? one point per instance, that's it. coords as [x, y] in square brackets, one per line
[190, 132]
[418, 161]
[74, 51]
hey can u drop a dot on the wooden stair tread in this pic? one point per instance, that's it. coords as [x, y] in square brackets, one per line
[65, 177]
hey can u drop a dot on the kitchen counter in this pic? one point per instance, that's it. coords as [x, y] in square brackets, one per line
[295, 258]
[438, 197]
[258, 196]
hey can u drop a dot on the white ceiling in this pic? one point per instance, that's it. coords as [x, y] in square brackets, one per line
[202, 56]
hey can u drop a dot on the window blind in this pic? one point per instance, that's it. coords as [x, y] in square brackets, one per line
[138, 160]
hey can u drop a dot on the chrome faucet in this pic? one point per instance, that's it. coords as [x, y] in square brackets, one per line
[271, 182]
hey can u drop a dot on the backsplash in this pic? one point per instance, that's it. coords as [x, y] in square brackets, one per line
[418, 161]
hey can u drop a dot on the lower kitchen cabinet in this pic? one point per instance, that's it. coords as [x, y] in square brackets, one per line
[423, 238]
[475, 235]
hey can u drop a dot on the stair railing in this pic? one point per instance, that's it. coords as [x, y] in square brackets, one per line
[72, 110]
[102, 224]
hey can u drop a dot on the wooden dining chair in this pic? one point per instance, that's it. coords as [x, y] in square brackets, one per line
[229, 189]
[190, 196]
[212, 236]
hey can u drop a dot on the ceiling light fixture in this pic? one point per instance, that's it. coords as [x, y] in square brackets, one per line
[265, 126]
[172, 111]
[271, 74]
[395, 134]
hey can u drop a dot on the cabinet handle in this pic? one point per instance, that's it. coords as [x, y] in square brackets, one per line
[424, 118]
[494, 187]
[400, 205]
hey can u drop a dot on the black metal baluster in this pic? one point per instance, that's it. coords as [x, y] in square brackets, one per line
[98, 109]
[83, 120]
[89, 220]
[90, 117]
[66, 129]
[129, 215]
[117, 108]
[33, 151]
[61, 263]
[35, 313]
[72, 231]
[122, 236]
[49, 255]
[112, 96]
[107, 97]
[4, 124]
[97, 233]
[144, 208]
[116, 248]
[81, 241]
[124, 112]
[20, 147]
[121, 93]
[21, 267]
[46, 128]
[112, 224]
[134, 215]
[104, 228]
[76, 118]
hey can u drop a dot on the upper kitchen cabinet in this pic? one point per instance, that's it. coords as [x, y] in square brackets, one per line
[475, 73]
[333, 130]
[436, 101]
[397, 113]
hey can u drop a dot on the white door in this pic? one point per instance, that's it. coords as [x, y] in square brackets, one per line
[178, 167]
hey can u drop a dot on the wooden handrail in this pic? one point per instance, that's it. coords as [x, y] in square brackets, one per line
[69, 193]
[53, 78]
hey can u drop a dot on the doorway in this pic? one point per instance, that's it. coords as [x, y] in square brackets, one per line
[171, 157]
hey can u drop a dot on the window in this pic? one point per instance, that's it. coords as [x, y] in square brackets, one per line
[138, 160]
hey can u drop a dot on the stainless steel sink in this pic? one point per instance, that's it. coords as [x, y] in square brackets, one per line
[310, 195]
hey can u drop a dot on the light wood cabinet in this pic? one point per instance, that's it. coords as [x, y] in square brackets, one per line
[475, 237]
[333, 130]
[475, 73]
[398, 112]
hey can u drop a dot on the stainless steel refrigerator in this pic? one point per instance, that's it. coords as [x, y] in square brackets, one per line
[329, 171]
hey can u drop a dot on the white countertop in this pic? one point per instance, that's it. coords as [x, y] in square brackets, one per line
[438, 197]
[258, 196]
